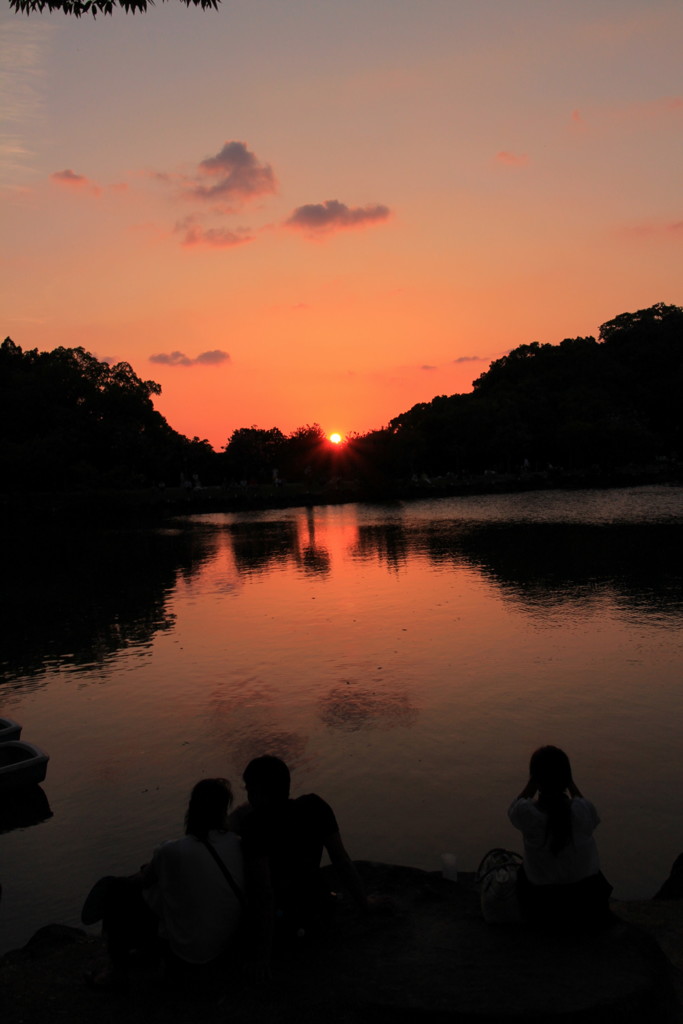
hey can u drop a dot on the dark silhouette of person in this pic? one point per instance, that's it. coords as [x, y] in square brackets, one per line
[187, 902]
[560, 884]
[283, 841]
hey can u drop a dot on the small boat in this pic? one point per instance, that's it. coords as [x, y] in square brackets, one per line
[9, 730]
[21, 764]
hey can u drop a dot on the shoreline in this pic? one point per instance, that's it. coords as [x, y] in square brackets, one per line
[434, 959]
[95, 508]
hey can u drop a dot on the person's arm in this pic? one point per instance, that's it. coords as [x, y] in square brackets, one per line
[574, 790]
[351, 879]
[529, 791]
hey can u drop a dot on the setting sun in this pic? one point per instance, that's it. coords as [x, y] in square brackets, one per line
[335, 438]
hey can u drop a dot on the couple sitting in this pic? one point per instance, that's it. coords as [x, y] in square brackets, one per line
[269, 876]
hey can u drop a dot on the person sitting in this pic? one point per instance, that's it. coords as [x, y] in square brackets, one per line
[283, 841]
[191, 895]
[560, 884]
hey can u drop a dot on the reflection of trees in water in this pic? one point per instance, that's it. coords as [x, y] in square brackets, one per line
[547, 564]
[385, 541]
[350, 709]
[315, 561]
[258, 546]
[77, 599]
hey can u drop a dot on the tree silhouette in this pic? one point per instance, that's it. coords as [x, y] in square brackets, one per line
[254, 454]
[69, 421]
[307, 454]
[584, 404]
[76, 8]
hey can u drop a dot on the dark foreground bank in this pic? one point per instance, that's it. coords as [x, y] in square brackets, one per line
[435, 960]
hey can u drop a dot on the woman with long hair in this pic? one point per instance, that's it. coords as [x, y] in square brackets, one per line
[187, 902]
[195, 885]
[560, 884]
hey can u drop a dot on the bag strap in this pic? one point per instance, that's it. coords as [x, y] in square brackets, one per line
[228, 877]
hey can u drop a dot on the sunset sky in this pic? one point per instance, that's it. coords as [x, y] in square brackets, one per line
[288, 211]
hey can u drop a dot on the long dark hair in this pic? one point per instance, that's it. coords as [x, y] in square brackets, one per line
[551, 771]
[208, 808]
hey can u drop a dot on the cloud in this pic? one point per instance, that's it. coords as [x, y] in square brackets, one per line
[234, 173]
[332, 215]
[69, 179]
[426, 366]
[213, 238]
[512, 159]
[224, 182]
[24, 55]
[212, 358]
[656, 230]
[469, 359]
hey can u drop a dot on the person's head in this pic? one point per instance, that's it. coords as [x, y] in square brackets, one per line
[550, 769]
[208, 808]
[267, 781]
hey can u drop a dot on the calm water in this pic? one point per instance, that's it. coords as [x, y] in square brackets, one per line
[404, 659]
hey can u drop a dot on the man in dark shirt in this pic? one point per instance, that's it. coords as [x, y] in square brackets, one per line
[283, 842]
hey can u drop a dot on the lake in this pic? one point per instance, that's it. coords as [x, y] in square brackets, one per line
[404, 659]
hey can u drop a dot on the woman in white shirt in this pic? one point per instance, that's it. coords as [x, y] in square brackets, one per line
[195, 885]
[560, 884]
[191, 894]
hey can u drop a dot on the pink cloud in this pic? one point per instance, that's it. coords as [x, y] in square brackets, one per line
[234, 173]
[319, 218]
[215, 357]
[70, 179]
[657, 230]
[512, 159]
[194, 234]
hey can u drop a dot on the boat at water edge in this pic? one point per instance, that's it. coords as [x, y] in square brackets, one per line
[21, 764]
[9, 729]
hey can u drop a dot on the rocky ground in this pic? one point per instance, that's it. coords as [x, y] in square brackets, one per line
[434, 960]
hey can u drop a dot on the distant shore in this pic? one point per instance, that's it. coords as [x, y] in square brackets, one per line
[109, 508]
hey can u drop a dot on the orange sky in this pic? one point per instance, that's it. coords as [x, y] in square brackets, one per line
[316, 211]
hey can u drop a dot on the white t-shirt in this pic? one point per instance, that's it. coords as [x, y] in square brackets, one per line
[196, 905]
[579, 859]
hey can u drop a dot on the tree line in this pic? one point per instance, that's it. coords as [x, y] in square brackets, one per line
[70, 422]
[583, 404]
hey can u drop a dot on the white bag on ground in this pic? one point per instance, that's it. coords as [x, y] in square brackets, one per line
[497, 881]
